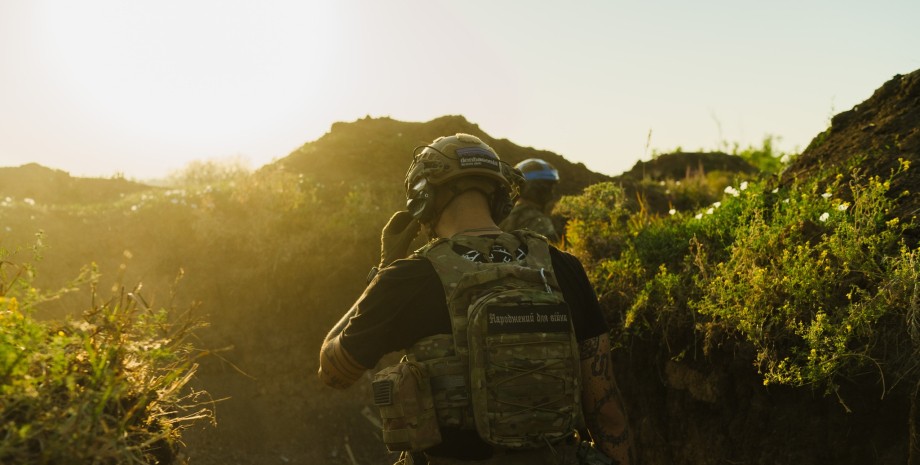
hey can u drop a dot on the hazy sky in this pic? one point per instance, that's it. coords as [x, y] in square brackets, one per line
[99, 87]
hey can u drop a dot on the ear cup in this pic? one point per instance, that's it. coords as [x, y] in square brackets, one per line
[421, 201]
[501, 205]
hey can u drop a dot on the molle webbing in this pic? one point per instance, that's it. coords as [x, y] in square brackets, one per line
[519, 388]
[449, 380]
[456, 271]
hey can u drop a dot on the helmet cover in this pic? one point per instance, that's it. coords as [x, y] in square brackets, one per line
[536, 169]
[448, 159]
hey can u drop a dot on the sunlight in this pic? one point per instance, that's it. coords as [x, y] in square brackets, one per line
[183, 70]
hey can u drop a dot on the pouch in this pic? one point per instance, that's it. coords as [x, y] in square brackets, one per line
[402, 392]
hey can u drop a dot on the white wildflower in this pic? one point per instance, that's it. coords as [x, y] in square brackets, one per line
[824, 216]
[826, 195]
[672, 211]
[774, 191]
[29, 201]
[743, 186]
[698, 216]
[710, 211]
[843, 206]
[732, 191]
[717, 204]
[784, 159]
[134, 208]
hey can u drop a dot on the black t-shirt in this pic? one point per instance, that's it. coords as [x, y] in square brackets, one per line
[406, 302]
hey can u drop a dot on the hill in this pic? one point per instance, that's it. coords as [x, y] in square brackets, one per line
[872, 136]
[52, 186]
[682, 180]
[379, 150]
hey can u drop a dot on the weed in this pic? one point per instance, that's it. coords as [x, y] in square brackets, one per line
[110, 387]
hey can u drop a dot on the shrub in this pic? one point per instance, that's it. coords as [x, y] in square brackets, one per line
[109, 388]
[816, 283]
[814, 278]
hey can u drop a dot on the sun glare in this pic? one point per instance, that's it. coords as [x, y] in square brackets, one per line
[189, 70]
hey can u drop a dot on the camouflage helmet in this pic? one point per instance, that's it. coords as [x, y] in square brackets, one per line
[452, 164]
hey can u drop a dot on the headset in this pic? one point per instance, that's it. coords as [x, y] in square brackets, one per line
[422, 198]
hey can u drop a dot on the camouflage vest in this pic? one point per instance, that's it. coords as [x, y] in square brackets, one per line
[527, 216]
[510, 368]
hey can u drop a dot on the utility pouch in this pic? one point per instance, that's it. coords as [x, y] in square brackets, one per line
[402, 393]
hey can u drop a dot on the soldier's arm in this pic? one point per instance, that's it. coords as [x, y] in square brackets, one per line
[337, 368]
[604, 414]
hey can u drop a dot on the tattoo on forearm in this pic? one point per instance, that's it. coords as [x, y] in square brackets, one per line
[588, 348]
[610, 395]
[614, 440]
[599, 367]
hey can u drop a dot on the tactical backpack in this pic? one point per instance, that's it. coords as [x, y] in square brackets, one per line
[510, 368]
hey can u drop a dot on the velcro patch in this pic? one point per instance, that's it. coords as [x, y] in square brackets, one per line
[529, 319]
[477, 157]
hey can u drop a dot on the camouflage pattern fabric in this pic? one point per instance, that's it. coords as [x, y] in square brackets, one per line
[527, 216]
[510, 366]
[403, 395]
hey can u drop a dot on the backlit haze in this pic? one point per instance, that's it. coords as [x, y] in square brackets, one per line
[140, 88]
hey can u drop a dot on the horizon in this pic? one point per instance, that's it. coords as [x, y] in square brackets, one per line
[101, 87]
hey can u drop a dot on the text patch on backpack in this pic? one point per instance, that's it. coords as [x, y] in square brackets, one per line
[553, 318]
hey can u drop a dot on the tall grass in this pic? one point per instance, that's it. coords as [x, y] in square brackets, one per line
[109, 387]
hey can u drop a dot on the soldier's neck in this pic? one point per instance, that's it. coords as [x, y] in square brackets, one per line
[469, 215]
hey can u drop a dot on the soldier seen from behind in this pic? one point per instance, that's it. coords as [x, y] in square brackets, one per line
[531, 211]
[507, 355]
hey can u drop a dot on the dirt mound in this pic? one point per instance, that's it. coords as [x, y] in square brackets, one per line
[379, 150]
[683, 165]
[649, 180]
[873, 135]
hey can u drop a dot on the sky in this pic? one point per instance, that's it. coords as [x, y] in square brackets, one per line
[141, 88]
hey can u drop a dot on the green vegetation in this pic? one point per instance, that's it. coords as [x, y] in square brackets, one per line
[107, 388]
[752, 299]
[766, 158]
[814, 279]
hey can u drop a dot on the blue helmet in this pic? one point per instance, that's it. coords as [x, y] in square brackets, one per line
[535, 169]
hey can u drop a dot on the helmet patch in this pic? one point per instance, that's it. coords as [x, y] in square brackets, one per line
[477, 157]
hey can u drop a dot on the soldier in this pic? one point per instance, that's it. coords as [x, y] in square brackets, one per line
[531, 209]
[507, 350]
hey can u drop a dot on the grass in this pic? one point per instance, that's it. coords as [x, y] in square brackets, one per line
[107, 388]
